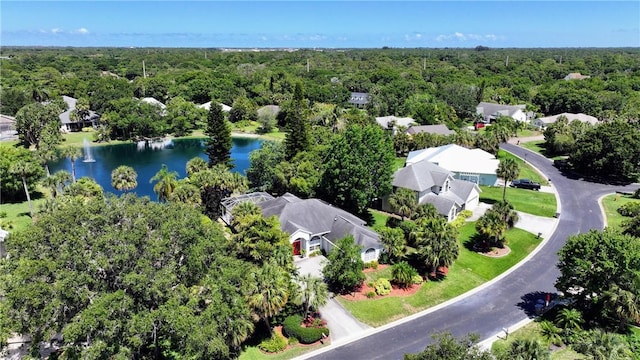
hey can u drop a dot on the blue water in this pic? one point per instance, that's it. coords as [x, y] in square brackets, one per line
[147, 161]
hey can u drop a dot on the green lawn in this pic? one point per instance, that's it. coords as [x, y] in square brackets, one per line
[526, 170]
[253, 353]
[529, 201]
[469, 271]
[398, 163]
[538, 147]
[528, 133]
[379, 218]
[611, 203]
[252, 127]
[18, 214]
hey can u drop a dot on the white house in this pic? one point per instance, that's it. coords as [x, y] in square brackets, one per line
[393, 122]
[436, 185]
[475, 165]
[491, 111]
[576, 76]
[543, 122]
[207, 106]
[312, 224]
[154, 102]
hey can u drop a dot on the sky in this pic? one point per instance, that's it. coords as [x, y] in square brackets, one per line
[320, 24]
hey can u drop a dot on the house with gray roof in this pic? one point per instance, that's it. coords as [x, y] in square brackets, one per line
[394, 123]
[439, 129]
[359, 99]
[69, 123]
[543, 122]
[436, 185]
[491, 111]
[312, 224]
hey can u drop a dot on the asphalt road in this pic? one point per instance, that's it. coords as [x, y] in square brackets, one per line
[505, 302]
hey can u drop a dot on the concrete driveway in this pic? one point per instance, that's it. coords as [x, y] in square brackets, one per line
[341, 323]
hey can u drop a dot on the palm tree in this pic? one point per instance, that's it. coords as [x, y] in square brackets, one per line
[403, 273]
[623, 304]
[601, 345]
[403, 202]
[62, 178]
[569, 319]
[24, 169]
[166, 182]
[393, 242]
[550, 332]
[491, 226]
[526, 349]
[507, 212]
[186, 193]
[238, 330]
[196, 164]
[508, 170]
[436, 242]
[45, 155]
[425, 210]
[124, 178]
[269, 292]
[313, 292]
[73, 153]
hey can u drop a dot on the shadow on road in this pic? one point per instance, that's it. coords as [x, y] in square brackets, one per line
[534, 303]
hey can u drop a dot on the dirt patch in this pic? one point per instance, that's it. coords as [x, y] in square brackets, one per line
[497, 252]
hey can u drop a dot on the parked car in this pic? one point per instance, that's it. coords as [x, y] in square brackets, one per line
[525, 184]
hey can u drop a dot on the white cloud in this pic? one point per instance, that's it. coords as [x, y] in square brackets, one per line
[56, 31]
[458, 36]
[82, 31]
[413, 37]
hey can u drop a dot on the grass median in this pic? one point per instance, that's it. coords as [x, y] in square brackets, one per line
[611, 203]
[469, 271]
[526, 170]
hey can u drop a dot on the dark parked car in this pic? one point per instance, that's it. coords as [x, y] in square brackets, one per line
[525, 184]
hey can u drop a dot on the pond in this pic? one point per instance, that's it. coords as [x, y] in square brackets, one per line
[147, 159]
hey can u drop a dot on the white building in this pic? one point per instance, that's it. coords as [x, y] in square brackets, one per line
[475, 165]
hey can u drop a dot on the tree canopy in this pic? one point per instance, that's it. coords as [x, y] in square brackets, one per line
[126, 277]
[358, 168]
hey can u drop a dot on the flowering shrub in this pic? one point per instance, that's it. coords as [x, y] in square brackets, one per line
[382, 286]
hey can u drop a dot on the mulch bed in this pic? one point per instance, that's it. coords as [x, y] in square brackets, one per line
[361, 294]
[497, 252]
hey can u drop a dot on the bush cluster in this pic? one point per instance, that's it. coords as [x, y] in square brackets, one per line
[371, 294]
[371, 264]
[417, 280]
[630, 209]
[306, 335]
[274, 344]
[382, 286]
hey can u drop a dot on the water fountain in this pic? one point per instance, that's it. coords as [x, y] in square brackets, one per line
[87, 152]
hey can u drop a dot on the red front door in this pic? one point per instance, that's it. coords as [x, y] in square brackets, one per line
[296, 247]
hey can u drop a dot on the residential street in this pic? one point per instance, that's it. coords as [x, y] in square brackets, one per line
[502, 302]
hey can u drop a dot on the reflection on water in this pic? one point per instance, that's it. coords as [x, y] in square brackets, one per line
[148, 157]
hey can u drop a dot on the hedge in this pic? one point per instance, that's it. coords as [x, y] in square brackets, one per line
[292, 327]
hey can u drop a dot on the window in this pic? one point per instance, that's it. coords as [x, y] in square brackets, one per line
[314, 245]
[370, 255]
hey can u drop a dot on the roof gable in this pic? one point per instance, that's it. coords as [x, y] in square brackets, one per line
[420, 176]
